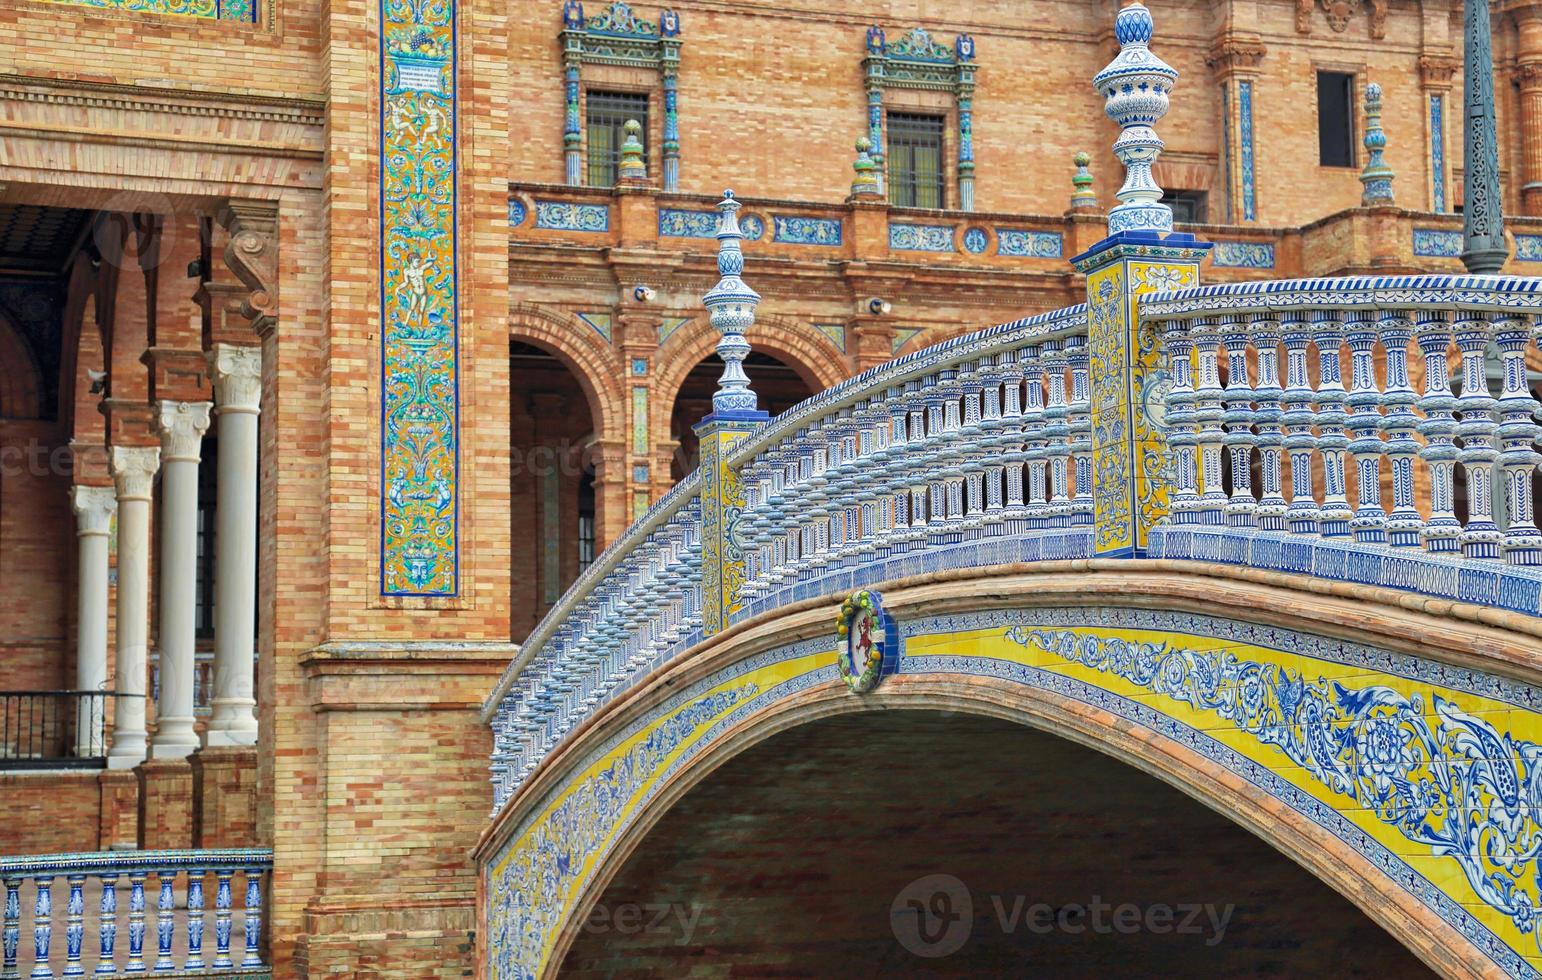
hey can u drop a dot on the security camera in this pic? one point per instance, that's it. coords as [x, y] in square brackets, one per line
[877, 306]
[643, 294]
[98, 381]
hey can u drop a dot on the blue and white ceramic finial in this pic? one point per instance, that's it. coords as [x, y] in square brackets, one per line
[1376, 176]
[1134, 87]
[731, 305]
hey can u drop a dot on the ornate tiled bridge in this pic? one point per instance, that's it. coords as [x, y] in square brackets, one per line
[1249, 539]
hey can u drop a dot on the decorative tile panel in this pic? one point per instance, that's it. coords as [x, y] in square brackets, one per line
[639, 366]
[920, 238]
[640, 473]
[753, 226]
[835, 331]
[677, 223]
[1437, 243]
[567, 216]
[639, 419]
[517, 212]
[601, 322]
[670, 324]
[976, 241]
[1528, 248]
[1438, 152]
[795, 230]
[420, 457]
[235, 10]
[1029, 244]
[903, 336]
[1243, 255]
[1245, 152]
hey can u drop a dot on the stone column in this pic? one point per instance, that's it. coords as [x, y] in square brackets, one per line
[237, 375]
[94, 507]
[182, 425]
[133, 473]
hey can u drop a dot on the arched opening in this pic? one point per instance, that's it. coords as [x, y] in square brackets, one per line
[778, 384]
[552, 491]
[818, 851]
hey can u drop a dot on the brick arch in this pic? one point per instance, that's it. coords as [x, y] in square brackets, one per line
[812, 355]
[1226, 777]
[593, 365]
[21, 380]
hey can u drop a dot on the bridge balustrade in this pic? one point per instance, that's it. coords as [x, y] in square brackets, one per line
[1311, 428]
[174, 883]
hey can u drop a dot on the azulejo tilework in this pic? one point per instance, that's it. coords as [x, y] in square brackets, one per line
[420, 415]
[234, 10]
[1437, 243]
[920, 238]
[1528, 248]
[836, 332]
[679, 223]
[1245, 133]
[1243, 255]
[1029, 244]
[1437, 152]
[517, 212]
[753, 226]
[566, 216]
[976, 241]
[795, 230]
[1423, 769]
[600, 322]
[670, 324]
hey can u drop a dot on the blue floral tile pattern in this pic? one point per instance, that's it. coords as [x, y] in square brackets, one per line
[920, 238]
[1029, 244]
[796, 230]
[1243, 255]
[566, 216]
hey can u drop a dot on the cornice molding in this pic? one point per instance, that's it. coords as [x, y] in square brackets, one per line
[140, 98]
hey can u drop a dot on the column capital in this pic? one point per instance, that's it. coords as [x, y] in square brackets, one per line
[237, 374]
[94, 507]
[182, 425]
[133, 471]
[1436, 71]
[1235, 54]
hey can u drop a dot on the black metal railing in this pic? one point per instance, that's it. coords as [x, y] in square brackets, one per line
[54, 729]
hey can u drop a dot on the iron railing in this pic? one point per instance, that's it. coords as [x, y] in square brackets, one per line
[54, 729]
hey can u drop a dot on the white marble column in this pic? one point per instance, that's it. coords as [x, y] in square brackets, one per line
[94, 507]
[182, 425]
[133, 473]
[237, 373]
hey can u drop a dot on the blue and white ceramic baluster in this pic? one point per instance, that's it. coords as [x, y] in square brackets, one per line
[851, 487]
[1366, 446]
[1057, 433]
[42, 926]
[253, 917]
[75, 926]
[993, 441]
[194, 919]
[1303, 514]
[896, 501]
[1207, 415]
[136, 922]
[1182, 430]
[1036, 443]
[930, 460]
[869, 494]
[1399, 425]
[1518, 433]
[1328, 332]
[1012, 444]
[1079, 419]
[801, 553]
[916, 398]
[222, 902]
[1272, 506]
[165, 919]
[1481, 537]
[973, 454]
[107, 925]
[1237, 419]
[951, 454]
[10, 934]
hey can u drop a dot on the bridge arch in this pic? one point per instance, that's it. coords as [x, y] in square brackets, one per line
[1075, 651]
